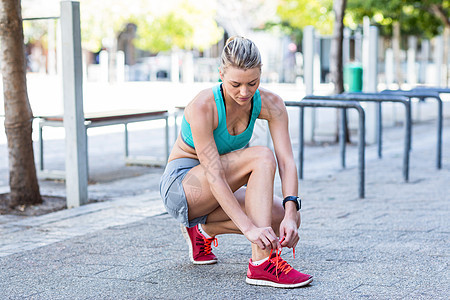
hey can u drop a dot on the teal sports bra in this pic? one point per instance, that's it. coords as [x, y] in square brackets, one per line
[225, 142]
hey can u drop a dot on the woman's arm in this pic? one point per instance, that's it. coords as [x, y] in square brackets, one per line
[274, 111]
[201, 117]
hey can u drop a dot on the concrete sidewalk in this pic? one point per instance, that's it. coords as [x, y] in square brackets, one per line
[394, 244]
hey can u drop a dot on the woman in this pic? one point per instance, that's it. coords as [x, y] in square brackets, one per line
[203, 185]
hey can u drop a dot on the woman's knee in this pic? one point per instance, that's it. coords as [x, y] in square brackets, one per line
[263, 157]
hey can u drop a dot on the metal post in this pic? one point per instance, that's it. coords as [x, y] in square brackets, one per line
[175, 128]
[439, 135]
[379, 123]
[343, 136]
[407, 147]
[378, 99]
[76, 140]
[361, 151]
[126, 140]
[167, 138]
[41, 149]
[336, 104]
[301, 143]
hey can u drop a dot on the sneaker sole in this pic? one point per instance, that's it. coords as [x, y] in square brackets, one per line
[261, 282]
[191, 255]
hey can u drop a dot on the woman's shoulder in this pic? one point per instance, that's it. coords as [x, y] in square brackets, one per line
[203, 98]
[202, 102]
[269, 96]
[270, 103]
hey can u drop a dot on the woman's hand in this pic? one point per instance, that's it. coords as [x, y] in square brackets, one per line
[264, 237]
[289, 230]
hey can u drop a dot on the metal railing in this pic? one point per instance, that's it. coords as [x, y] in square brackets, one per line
[422, 94]
[379, 99]
[362, 132]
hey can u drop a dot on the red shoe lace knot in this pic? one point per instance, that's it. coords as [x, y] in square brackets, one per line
[208, 243]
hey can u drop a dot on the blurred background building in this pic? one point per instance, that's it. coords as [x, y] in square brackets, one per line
[181, 40]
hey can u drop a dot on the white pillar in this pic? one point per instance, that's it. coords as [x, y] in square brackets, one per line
[358, 46]
[76, 139]
[424, 56]
[175, 67]
[438, 59]
[188, 67]
[411, 61]
[346, 46]
[308, 59]
[309, 62]
[104, 66]
[365, 53]
[120, 66]
[389, 67]
[370, 77]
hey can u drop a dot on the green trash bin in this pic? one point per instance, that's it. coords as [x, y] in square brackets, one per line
[353, 77]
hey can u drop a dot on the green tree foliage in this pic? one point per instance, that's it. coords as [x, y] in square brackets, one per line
[417, 17]
[161, 25]
[301, 13]
[163, 33]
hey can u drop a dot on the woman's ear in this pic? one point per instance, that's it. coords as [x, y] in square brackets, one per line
[220, 73]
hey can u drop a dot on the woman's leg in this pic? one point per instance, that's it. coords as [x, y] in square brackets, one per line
[254, 166]
[219, 223]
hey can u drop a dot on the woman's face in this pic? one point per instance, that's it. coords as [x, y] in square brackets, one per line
[240, 84]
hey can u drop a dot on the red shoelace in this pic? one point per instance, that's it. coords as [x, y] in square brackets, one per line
[208, 243]
[280, 264]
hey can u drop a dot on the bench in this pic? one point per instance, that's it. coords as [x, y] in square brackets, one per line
[107, 118]
[305, 102]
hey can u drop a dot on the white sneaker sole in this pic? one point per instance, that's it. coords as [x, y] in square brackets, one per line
[277, 285]
[191, 255]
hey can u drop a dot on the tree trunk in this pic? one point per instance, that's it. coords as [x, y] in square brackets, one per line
[24, 187]
[336, 60]
[336, 64]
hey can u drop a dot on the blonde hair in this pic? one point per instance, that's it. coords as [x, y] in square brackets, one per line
[240, 52]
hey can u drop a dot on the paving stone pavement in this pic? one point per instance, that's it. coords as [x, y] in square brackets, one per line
[394, 244]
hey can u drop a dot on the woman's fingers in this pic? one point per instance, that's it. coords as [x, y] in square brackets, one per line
[268, 239]
[264, 238]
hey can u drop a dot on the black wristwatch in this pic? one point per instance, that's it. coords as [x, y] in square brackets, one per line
[297, 200]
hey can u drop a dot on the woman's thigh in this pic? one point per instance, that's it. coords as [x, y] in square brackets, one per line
[237, 166]
[218, 215]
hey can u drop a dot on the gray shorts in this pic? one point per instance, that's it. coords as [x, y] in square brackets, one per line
[172, 192]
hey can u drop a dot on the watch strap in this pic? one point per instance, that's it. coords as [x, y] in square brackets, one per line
[297, 200]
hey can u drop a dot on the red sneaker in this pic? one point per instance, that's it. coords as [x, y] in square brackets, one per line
[276, 272]
[199, 246]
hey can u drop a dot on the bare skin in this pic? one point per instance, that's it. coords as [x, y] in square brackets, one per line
[215, 187]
